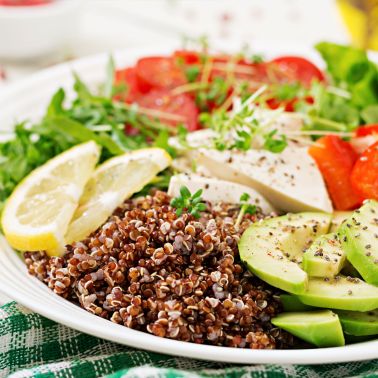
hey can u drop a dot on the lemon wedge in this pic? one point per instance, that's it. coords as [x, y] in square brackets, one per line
[112, 182]
[38, 212]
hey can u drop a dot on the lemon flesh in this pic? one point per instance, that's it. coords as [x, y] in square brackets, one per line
[113, 182]
[37, 214]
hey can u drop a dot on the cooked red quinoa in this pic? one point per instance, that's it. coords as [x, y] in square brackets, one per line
[174, 277]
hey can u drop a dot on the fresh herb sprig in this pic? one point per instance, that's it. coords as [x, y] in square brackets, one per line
[188, 202]
[245, 208]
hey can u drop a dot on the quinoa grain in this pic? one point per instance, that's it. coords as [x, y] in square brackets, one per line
[170, 276]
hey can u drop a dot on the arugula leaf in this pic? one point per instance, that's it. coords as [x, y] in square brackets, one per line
[79, 133]
[109, 82]
[55, 107]
[162, 141]
[370, 114]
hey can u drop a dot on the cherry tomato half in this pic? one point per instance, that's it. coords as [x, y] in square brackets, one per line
[296, 68]
[158, 73]
[182, 106]
[128, 76]
[186, 56]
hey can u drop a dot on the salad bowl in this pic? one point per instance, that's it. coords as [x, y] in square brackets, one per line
[28, 99]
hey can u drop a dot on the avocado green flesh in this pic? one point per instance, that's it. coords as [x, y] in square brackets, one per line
[349, 270]
[321, 328]
[291, 303]
[340, 293]
[273, 248]
[359, 323]
[360, 241]
[325, 257]
[338, 218]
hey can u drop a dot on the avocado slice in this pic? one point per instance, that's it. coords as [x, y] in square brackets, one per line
[291, 303]
[325, 257]
[321, 328]
[349, 270]
[342, 293]
[273, 248]
[359, 323]
[338, 218]
[360, 240]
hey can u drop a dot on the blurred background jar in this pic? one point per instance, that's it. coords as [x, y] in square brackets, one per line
[32, 29]
[361, 19]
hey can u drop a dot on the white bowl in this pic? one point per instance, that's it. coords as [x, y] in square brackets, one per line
[34, 31]
[28, 99]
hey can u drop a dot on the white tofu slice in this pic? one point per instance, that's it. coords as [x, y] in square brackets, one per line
[290, 181]
[215, 190]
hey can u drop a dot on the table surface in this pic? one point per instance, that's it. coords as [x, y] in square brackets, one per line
[108, 25]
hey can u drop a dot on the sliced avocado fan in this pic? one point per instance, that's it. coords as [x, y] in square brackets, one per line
[325, 257]
[273, 249]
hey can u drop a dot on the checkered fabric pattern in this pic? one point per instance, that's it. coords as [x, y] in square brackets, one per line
[33, 346]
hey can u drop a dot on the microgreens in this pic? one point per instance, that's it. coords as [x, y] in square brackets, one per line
[245, 208]
[238, 130]
[192, 73]
[273, 144]
[188, 202]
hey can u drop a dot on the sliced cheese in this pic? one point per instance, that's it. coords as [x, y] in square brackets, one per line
[290, 181]
[215, 190]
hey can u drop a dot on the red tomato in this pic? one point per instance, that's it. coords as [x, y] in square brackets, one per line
[335, 159]
[181, 105]
[158, 73]
[128, 76]
[187, 56]
[367, 130]
[296, 68]
[288, 105]
[365, 173]
[243, 70]
[24, 3]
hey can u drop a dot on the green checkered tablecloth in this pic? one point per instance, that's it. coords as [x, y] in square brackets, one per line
[33, 346]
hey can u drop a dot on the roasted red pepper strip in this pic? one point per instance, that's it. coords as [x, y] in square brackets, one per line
[335, 159]
[364, 176]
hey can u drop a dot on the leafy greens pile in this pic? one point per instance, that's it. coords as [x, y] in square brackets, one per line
[89, 117]
[351, 99]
